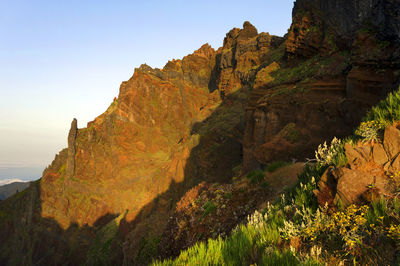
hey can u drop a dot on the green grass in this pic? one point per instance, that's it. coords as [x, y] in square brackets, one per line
[272, 167]
[245, 246]
[311, 68]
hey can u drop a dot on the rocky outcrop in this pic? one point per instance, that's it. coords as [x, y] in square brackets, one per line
[372, 172]
[167, 130]
[70, 170]
[244, 50]
[344, 52]
[347, 17]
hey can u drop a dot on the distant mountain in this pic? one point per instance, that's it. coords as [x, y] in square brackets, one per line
[9, 181]
[10, 187]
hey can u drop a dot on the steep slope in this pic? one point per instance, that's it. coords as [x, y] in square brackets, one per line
[344, 209]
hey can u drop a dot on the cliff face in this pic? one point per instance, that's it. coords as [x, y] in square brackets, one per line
[132, 152]
[340, 58]
[257, 99]
[168, 130]
[347, 17]
[143, 141]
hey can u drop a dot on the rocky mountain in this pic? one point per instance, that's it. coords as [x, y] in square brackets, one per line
[215, 114]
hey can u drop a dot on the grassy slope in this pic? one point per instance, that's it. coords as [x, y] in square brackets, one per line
[350, 235]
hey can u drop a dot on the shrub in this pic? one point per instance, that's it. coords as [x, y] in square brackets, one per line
[209, 207]
[302, 194]
[255, 176]
[291, 133]
[387, 110]
[148, 249]
[332, 155]
[370, 130]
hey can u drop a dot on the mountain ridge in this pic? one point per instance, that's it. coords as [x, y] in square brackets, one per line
[257, 99]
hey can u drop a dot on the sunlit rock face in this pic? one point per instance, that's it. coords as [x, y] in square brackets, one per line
[259, 98]
[134, 151]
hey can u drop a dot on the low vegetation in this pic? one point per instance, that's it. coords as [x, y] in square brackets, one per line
[312, 68]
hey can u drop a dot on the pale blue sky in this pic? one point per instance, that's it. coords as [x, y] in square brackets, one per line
[65, 59]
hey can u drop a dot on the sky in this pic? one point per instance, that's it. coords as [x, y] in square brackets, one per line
[65, 59]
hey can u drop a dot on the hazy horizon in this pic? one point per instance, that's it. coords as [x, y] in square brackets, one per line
[60, 60]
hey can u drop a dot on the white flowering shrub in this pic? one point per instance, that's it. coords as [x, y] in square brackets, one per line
[257, 219]
[331, 155]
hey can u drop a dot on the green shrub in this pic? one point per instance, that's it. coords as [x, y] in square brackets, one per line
[148, 249]
[387, 110]
[292, 133]
[209, 207]
[302, 194]
[256, 176]
[264, 184]
[228, 195]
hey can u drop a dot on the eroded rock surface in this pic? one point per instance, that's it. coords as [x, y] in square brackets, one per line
[338, 59]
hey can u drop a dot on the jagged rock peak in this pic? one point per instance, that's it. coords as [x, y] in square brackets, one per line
[145, 68]
[72, 132]
[205, 50]
[248, 31]
[72, 148]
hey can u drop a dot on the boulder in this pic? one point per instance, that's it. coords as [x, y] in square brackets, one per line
[351, 185]
[395, 165]
[358, 156]
[379, 154]
[326, 188]
[391, 141]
